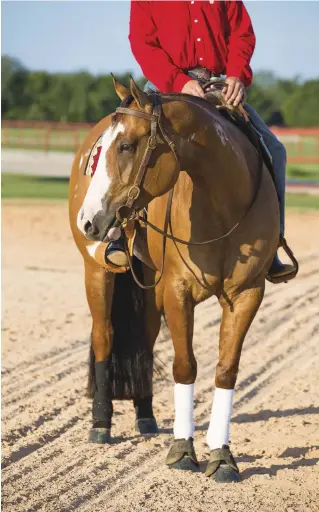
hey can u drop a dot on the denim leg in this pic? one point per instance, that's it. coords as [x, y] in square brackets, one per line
[149, 87]
[278, 155]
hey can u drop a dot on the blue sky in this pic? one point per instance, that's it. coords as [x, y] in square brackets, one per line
[92, 35]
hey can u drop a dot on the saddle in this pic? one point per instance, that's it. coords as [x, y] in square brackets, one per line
[213, 85]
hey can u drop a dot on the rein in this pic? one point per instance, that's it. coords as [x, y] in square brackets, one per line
[127, 213]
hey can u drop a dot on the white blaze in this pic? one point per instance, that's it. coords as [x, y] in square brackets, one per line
[93, 202]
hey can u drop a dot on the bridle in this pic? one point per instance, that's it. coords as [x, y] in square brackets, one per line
[126, 212]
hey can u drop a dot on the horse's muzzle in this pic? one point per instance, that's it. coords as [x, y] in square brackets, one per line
[98, 227]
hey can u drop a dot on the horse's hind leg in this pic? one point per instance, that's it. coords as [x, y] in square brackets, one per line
[236, 321]
[145, 420]
[99, 291]
[179, 310]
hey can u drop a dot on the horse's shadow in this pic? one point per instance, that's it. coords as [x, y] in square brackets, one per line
[272, 471]
[298, 452]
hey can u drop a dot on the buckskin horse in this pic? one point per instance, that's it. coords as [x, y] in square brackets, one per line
[202, 181]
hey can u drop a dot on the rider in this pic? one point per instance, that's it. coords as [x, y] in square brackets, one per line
[169, 39]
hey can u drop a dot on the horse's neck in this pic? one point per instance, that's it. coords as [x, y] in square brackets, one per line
[219, 161]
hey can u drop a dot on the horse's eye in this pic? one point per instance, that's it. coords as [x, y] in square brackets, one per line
[126, 147]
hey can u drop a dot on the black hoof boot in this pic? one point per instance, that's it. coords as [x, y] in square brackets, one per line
[100, 436]
[182, 455]
[226, 475]
[146, 426]
[222, 467]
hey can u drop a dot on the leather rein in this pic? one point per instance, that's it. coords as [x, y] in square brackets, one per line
[126, 212]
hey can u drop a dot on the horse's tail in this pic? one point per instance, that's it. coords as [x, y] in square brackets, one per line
[131, 357]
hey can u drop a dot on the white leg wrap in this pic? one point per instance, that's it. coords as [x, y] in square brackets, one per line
[184, 411]
[218, 431]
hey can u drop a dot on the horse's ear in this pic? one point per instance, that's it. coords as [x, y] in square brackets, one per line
[140, 97]
[121, 90]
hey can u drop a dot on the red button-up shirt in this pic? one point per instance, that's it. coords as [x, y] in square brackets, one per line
[168, 37]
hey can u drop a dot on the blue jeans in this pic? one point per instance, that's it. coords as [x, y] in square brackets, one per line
[275, 148]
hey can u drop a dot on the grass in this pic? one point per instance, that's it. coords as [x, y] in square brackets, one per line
[303, 172]
[35, 187]
[302, 201]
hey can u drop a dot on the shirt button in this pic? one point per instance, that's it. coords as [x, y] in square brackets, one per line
[192, 2]
[200, 58]
[196, 21]
[198, 39]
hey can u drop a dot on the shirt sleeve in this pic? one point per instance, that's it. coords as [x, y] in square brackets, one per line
[241, 42]
[154, 61]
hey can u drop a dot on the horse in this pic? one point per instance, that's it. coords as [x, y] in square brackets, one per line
[179, 150]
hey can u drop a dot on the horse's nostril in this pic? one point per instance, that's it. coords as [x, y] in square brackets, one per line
[91, 228]
[87, 226]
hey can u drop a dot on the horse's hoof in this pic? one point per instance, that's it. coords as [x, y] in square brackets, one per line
[100, 436]
[146, 426]
[226, 475]
[182, 455]
[222, 467]
[185, 464]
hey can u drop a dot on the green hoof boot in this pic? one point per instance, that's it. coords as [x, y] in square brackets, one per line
[100, 436]
[226, 475]
[182, 456]
[222, 467]
[146, 426]
[185, 464]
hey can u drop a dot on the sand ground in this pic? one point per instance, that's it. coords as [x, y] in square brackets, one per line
[48, 465]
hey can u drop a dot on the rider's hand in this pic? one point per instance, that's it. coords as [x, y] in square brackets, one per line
[235, 92]
[192, 87]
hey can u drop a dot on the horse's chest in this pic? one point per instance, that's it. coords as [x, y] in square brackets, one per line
[204, 287]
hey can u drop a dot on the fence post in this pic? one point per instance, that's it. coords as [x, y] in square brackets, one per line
[76, 139]
[47, 139]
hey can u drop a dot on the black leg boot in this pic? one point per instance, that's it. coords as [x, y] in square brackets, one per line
[145, 421]
[102, 405]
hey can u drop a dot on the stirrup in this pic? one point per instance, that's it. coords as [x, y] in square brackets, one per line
[115, 254]
[295, 264]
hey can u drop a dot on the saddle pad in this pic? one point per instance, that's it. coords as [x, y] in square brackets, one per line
[94, 158]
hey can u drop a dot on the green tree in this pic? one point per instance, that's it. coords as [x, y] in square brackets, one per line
[262, 101]
[301, 108]
[13, 80]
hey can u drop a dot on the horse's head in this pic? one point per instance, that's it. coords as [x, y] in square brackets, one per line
[136, 163]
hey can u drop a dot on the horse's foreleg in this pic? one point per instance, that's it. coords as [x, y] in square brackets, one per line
[99, 291]
[234, 326]
[179, 310]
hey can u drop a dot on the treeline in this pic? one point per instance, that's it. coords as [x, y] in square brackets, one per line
[82, 97]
